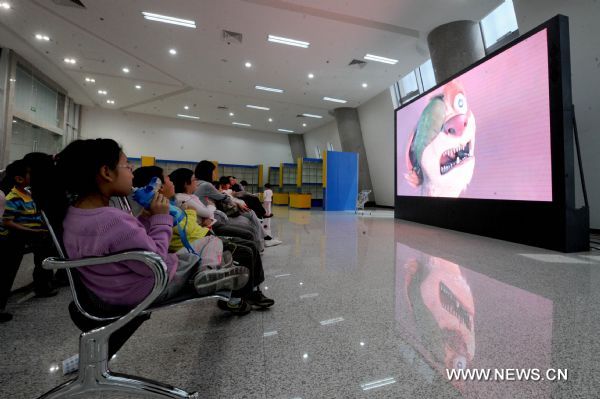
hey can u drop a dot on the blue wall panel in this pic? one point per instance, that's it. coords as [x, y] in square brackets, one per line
[342, 181]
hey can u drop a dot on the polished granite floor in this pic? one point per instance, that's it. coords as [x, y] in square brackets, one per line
[367, 307]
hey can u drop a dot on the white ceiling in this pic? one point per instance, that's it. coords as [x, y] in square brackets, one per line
[208, 72]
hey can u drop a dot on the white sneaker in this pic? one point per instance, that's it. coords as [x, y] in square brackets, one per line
[272, 242]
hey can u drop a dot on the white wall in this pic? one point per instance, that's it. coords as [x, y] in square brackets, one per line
[377, 125]
[170, 138]
[320, 137]
[584, 35]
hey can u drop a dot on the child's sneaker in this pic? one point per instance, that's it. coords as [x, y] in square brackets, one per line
[209, 281]
[272, 242]
[240, 309]
[257, 298]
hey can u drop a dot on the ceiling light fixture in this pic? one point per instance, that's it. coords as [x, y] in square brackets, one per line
[241, 124]
[169, 20]
[310, 75]
[5, 5]
[377, 58]
[304, 125]
[312, 116]
[268, 89]
[270, 119]
[186, 107]
[125, 70]
[248, 64]
[138, 87]
[42, 37]
[102, 92]
[110, 101]
[172, 51]
[289, 42]
[90, 80]
[71, 61]
[286, 130]
[335, 100]
[188, 116]
[364, 85]
[231, 114]
[258, 107]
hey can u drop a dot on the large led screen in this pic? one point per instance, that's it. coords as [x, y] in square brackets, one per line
[484, 134]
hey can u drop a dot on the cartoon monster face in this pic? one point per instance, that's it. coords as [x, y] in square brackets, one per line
[442, 149]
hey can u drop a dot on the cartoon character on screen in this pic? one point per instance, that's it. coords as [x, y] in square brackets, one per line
[441, 302]
[440, 157]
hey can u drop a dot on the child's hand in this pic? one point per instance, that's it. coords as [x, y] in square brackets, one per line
[159, 205]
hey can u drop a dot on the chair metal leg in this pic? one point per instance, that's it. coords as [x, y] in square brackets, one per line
[94, 375]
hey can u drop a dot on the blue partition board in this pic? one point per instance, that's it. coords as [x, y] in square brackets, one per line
[342, 181]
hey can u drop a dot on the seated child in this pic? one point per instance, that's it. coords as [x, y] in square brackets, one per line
[86, 175]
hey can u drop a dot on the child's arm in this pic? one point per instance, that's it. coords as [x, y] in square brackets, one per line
[8, 223]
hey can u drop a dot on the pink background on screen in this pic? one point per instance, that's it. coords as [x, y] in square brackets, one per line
[509, 98]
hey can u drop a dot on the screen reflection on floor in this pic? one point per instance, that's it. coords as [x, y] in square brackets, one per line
[455, 318]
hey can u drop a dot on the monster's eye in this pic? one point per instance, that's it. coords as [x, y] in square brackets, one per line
[460, 103]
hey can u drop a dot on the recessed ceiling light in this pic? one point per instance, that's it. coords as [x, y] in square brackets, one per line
[248, 64]
[138, 87]
[90, 80]
[270, 119]
[305, 356]
[12, 80]
[5, 5]
[231, 114]
[311, 75]
[286, 130]
[188, 116]
[125, 70]
[312, 116]
[258, 107]
[172, 51]
[240, 124]
[169, 20]
[14, 121]
[102, 92]
[268, 89]
[304, 125]
[42, 37]
[377, 58]
[186, 107]
[71, 61]
[289, 42]
[110, 101]
[364, 85]
[334, 100]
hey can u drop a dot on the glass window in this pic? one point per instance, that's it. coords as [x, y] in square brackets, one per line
[499, 23]
[409, 87]
[427, 75]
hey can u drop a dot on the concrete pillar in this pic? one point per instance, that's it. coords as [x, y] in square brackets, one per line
[454, 46]
[297, 146]
[351, 140]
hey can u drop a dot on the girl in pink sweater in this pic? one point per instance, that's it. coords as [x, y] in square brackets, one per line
[89, 173]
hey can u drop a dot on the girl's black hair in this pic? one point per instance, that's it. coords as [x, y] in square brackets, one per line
[143, 175]
[180, 177]
[224, 180]
[70, 176]
[204, 170]
[267, 185]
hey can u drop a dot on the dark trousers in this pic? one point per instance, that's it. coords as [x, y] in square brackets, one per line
[12, 249]
[254, 203]
[231, 230]
[246, 253]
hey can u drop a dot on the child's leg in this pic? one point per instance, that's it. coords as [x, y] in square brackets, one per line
[267, 205]
[11, 253]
